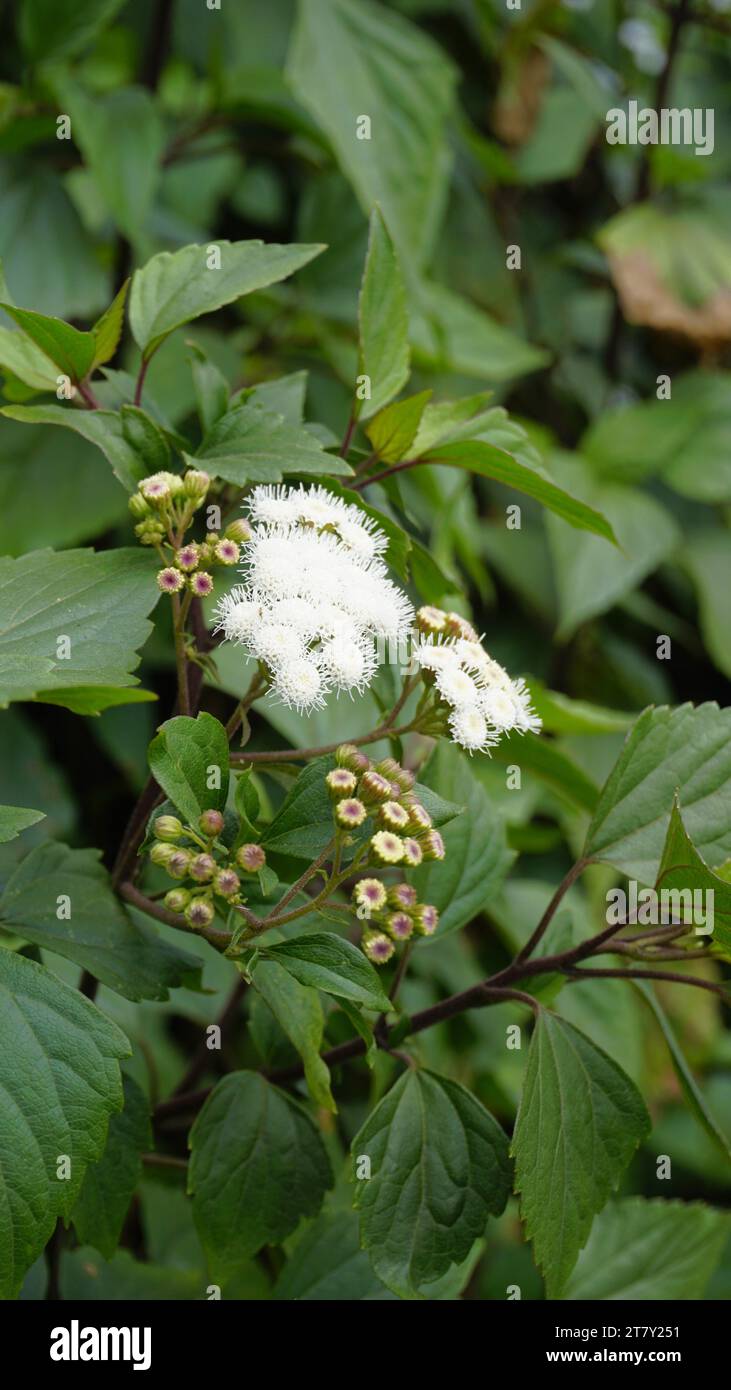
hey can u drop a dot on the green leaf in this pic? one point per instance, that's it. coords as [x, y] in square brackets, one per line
[107, 330]
[328, 1265]
[98, 601]
[707, 558]
[59, 1072]
[383, 323]
[14, 819]
[476, 856]
[449, 333]
[101, 427]
[580, 1120]
[176, 287]
[298, 1010]
[61, 899]
[685, 750]
[251, 445]
[95, 699]
[477, 456]
[109, 1185]
[19, 355]
[446, 421]
[348, 59]
[640, 1250]
[543, 757]
[284, 395]
[683, 871]
[70, 349]
[393, 430]
[330, 963]
[211, 388]
[145, 438]
[49, 256]
[121, 137]
[44, 38]
[590, 576]
[562, 715]
[182, 757]
[438, 1169]
[258, 1165]
[691, 1090]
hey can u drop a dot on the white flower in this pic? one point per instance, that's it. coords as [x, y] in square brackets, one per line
[436, 656]
[499, 707]
[469, 729]
[457, 687]
[315, 596]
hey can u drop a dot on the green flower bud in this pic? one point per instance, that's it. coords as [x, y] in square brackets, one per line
[179, 863]
[227, 883]
[161, 854]
[196, 484]
[202, 868]
[239, 531]
[211, 823]
[251, 857]
[138, 506]
[199, 912]
[177, 899]
[167, 828]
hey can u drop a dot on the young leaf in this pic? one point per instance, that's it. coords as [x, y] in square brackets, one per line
[383, 321]
[70, 349]
[258, 1165]
[649, 1250]
[145, 438]
[101, 427]
[438, 1169]
[189, 760]
[687, 750]
[579, 1122]
[299, 1012]
[61, 899]
[330, 963]
[20, 356]
[59, 1073]
[476, 858]
[176, 287]
[683, 873]
[393, 430]
[251, 445]
[109, 1185]
[99, 602]
[107, 330]
[14, 819]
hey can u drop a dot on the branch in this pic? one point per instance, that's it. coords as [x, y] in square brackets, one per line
[221, 940]
[288, 755]
[672, 977]
[563, 887]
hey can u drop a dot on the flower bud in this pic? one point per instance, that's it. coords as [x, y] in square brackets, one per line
[239, 531]
[196, 484]
[138, 506]
[388, 767]
[202, 868]
[211, 823]
[227, 883]
[393, 816]
[413, 853]
[161, 854]
[377, 947]
[186, 558]
[457, 626]
[199, 912]
[178, 863]
[158, 488]
[386, 847]
[177, 899]
[400, 926]
[373, 787]
[347, 755]
[250, 857]
[405, 779]
[419, 818]
[167, 828]
[426, 919]
[226, 552]
[370, 894]
[350, 813]
[201, 584]
[431, 620]
[402, 895]
[340, 783]
[432, 845]
[170, 580]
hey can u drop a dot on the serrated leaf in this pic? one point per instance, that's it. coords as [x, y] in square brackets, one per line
[94, 699]
[393, 430]
[101, 427]
[109, 1185]
[98, 933]
[438, 1169]
[685, 750]
[251, 445]
[330, 963]
[451, 334]
[14, 819]
[98, 601]
[476, 857]
[175, 287]
[640, 1250]
[211, 388]
[182, 757]
[579, 1122]
[328, 1264]
[298, 1010]
[546, 760]
[59, 1071]
[107, 330]
[383, 323]
[683, 872]
[258, 1165]
[145, 438]
[70, 348]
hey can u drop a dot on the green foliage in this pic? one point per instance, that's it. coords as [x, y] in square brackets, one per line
[189, 758]
[110, 1184]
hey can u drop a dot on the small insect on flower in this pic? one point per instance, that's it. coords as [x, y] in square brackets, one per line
[211, 823]
[227, 883]
[393, 815]
[201, 584]
[170, 580]
[400, 926]
[202, 867]
[167, 828]
[413, 853]
[187, 557]
[199, 912]
[250, 857]
[370, 893]
[340, 782]
[387, 847]
[426, 919]
[227, 552]
[350, 813]
[402, 895]
[378, 947]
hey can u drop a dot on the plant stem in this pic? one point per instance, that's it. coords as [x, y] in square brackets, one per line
[181, 664]
[221, 940]
[349, 428]
[672, 977]
[286, 755]
[87, 395]
[563, 887]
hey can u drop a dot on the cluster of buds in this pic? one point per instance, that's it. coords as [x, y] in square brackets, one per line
[205, 867]
[403, 836]
[165, 504]
[394, 914]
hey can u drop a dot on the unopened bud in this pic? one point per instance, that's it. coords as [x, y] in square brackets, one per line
[187, 557]
[227, 883]
[378, 947]
[199, 912]
[251, 857]
[211, 823]
[202, 867]
[239, 531]
[196, 484]
[161, 853]
[138, 506]
[178, 863]
[167, 828]
[350, 757]
[340, 782]
[177, 899]
[350, 813]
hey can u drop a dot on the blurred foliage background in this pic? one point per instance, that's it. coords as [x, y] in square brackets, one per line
[190, 124]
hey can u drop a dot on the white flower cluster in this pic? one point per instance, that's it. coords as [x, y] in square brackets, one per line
[484, 701]
[316, 594]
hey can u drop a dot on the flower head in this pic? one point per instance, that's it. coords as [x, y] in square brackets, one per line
[187, 557]
[250, 857]
[402, 895]
[340, 782]
[378, 947]
[350, 813]
[426, 919]
[413, 853]
[201, 584]
[227, 882]
[393, 815]
[199, 912]
[226, 552]
[387, 847]
[370, 893]
[400, 926]
[170, 580]
[202, 867]
[211, 823]
[374, 787]
[158, 488]
[432, 845]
